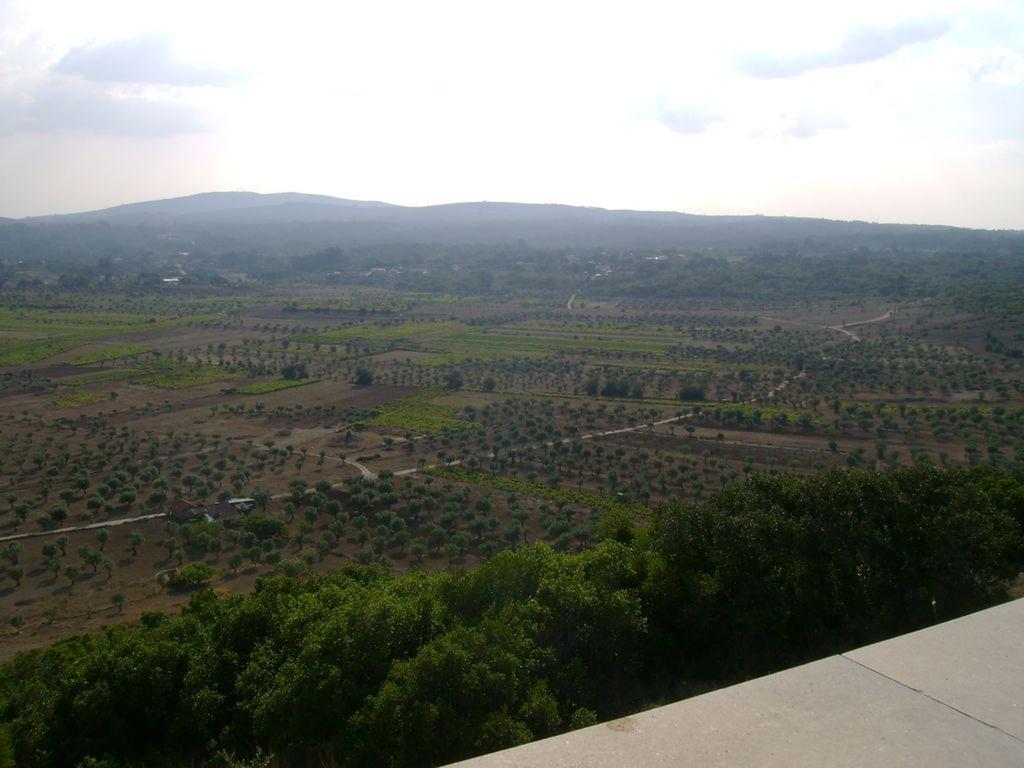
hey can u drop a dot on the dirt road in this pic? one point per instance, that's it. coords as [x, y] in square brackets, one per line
[88, 527]
[369, 474]
[843, 328]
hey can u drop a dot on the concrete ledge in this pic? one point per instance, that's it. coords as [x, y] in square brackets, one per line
[943, 696]
[974, 664]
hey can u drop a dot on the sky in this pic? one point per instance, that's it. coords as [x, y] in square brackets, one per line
[894, 110]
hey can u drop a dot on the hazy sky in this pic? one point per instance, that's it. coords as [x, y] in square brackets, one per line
[897, 110]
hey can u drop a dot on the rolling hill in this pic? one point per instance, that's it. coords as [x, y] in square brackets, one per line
[289, 223]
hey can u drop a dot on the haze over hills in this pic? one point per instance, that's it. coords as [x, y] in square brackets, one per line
[219, 203]
[290, 223]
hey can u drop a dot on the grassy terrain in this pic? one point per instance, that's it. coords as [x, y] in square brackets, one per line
[528, 488]
[26, 352]
[266, 387]
[418, 414]
[166, 374]
[99, 377]
[389, 332]
[110, 353]
[75, 399]
[60, 333]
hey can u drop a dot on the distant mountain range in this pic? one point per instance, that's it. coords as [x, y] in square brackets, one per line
[288, 223]
[220, 204]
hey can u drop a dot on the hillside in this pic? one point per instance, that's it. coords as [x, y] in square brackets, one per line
[288, 223]
[207, 204]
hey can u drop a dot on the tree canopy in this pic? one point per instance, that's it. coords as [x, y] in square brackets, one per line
[364, 668]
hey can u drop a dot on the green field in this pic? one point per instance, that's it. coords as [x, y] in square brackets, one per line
[64, 332]
[418, 413]
[476, 344]
[390, 332]
[75, 399]
[98, 377]
[26, 352]
[110, 353]
[266, 387]
[528, 488]
[167, 374]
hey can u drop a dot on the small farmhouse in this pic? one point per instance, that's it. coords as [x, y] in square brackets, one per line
[185, 511]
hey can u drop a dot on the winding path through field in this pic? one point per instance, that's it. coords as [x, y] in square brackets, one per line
[606, 433]
[369, 474]
[88, 527]
[568, 304]
[842, 328]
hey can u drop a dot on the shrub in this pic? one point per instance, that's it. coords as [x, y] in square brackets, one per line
[192, 575]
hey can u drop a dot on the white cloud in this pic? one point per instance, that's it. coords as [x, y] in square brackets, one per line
[86, 89]
[687, 120]
[82, 107]
[999, 67]
[859, 47]
[146, 58]
[811, 124]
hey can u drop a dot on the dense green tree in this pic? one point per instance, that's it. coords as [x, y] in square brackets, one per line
[362, 668]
